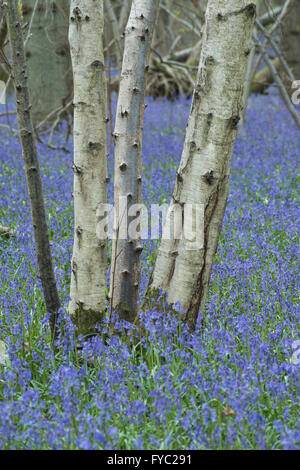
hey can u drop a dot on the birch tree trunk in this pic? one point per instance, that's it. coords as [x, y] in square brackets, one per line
[125, 270]
[203, 176]
[34, 183]
[89, 261]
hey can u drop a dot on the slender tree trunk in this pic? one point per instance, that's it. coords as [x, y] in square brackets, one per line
[125, 277]
[33, 177]
[203, 175]
[290, 41]
[195, 54]
[161, 32]
[3, 34]
[89, 261]
[2, 11]
[50, 78]
[3, 31]
[116, 33]
[124, 14]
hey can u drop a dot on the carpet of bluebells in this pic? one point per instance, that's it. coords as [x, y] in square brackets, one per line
[232, 385]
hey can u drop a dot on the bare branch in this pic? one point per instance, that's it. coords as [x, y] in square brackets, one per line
[281, 87]
[276, 50]
[181, 20]
[270, 16]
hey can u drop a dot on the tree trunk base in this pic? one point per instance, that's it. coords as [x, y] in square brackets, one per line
[86, 321]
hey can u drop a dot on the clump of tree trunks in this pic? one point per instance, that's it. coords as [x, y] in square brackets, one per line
[182, 270]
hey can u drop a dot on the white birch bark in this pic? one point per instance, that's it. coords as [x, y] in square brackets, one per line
[125, 270]
[182, 273]
[89, 261]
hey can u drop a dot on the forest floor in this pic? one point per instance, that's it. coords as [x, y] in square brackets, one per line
[234, 385]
